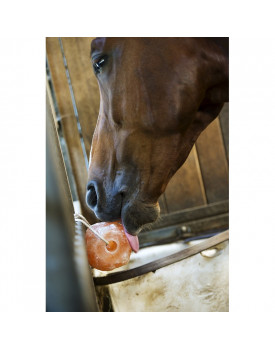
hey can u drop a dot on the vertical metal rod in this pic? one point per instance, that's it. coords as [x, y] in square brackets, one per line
[74, 103]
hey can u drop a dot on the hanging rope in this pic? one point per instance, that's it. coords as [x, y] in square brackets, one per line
[81, 218]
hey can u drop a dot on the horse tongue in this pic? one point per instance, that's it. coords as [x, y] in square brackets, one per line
[133, 241]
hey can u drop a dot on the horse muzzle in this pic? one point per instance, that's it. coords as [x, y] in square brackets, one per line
[114, 205]
[106, 208]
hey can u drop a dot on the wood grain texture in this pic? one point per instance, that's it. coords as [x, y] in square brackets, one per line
[84, 84]
[213, 163]
[184, 229]
[224, 122]
[209, 224]
[68, 121]
[191, 214]
[185, 189]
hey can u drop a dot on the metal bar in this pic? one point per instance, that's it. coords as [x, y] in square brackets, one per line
[74, 104]
[69, 285]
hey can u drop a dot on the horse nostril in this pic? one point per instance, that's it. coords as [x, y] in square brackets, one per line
[123, 190]
[91, 196]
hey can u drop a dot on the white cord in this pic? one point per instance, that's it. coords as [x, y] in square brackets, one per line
[81, 218]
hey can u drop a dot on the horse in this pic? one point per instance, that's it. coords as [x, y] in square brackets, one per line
[156, 96]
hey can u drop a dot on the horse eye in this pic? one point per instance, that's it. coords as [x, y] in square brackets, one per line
[99, 64]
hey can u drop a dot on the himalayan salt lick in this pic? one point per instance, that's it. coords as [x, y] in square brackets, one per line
[106, 257]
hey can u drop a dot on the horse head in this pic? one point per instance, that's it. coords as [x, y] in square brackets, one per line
[156, 96]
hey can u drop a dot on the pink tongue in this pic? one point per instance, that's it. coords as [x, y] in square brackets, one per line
[133, 241]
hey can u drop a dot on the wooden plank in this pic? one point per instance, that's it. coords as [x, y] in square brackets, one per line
[185, 189]
[84, 84]
[224, 122]
[207, 224]
[213, 162]
[68, 121]
[192, 214]
[191, 229]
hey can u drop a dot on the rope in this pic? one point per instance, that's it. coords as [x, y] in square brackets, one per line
[81, 218]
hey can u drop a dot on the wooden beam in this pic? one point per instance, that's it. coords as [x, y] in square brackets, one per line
[213, 163]
[185, 189]
[84, 84]
[192, 214]
[68, 122]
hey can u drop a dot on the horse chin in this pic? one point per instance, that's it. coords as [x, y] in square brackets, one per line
[137, 216]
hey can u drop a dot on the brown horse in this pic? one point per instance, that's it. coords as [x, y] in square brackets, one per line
[156, 96]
